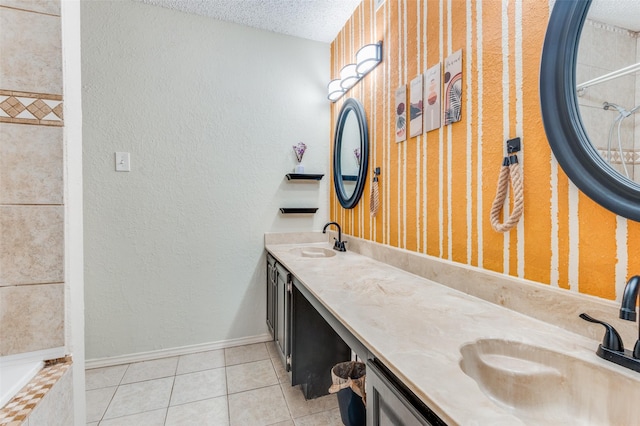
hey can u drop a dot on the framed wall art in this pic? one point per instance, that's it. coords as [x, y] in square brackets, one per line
[453, 88]
[401, 114]
[432, 108]
[415, 106]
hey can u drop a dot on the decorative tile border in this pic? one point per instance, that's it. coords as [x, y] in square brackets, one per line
[31, 108]
[612, 28]
[631, 157]
[18, 409]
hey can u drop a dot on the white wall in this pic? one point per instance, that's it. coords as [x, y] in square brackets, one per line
[209, 112]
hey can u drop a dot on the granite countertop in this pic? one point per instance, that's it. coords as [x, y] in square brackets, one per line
[416, 327]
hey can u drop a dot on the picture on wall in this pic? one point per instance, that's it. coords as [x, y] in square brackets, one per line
[453, 88]
[432, 82]
[415, 106]
[401, 114]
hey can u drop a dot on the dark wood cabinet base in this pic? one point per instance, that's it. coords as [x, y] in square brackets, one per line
[315, 348]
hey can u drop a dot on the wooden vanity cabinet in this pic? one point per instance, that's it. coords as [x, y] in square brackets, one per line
[308, 346]
[279, 307]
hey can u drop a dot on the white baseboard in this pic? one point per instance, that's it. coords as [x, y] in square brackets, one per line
[183, 350]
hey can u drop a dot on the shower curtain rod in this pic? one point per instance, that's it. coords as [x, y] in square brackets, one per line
[610, 76]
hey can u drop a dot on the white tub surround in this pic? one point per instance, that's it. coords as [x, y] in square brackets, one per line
[417, 326]
[15, 377]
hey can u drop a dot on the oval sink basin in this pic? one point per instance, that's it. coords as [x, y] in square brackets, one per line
[314, 252]
[541, 386]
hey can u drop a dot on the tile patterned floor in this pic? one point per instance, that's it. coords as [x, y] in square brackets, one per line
[241, 386]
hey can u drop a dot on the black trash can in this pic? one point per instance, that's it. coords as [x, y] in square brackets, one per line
[349, 383]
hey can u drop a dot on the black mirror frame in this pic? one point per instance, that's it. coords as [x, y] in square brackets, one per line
[561, 117]
[349, 202]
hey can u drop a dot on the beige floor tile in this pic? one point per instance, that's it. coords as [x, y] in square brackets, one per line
[97, 402]
[247, 353]
[200, 361]
[252, 375]
[299, 407]
[139, 397]
[96, 424]
[285, 423]
[213, 412]
[259, 407]
[198, 386]
[104, 377]
[149, 370]
[282, 374]
[148, 418]
[273, 350]
[325, 418]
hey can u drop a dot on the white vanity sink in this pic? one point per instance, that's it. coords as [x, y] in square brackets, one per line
[313, 252]
[541, 386]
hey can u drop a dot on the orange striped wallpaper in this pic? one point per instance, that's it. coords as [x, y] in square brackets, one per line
[436, 189]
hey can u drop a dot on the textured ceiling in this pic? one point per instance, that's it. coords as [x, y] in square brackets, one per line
[621, 13]
[319, 20]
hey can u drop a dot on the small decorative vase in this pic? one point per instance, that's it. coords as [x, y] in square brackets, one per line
[299, 168]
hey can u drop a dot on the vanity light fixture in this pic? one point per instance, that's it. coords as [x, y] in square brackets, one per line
[367, 58]
[335, 90]
[348, 76]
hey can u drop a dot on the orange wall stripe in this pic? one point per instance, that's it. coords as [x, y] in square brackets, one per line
[537, 154]
[475, 142]
[410, 235]
[492, 129]
[513, 235]
[597, 249]
[432, 139]
[458, 143]
[633, 248]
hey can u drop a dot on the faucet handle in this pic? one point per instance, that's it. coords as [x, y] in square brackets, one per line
[339, 245]
[612, 339]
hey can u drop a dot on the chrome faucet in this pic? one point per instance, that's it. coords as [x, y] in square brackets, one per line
[339, 244]
[628, 308]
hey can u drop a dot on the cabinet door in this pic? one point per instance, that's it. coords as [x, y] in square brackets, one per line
[390, 403]
[283, 297]
[271, 294]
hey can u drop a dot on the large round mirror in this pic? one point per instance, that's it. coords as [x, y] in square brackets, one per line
[588, 98]
[350, 153]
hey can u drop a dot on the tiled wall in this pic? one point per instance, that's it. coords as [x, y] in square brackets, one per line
[603, 49]
[31, 177]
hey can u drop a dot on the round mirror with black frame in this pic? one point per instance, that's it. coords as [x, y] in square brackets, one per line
[350, 153]
[562, 120]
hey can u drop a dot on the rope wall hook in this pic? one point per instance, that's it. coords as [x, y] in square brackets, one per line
[374, 201]
[509, 172]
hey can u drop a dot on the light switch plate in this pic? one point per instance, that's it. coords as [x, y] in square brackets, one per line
[123, 162]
